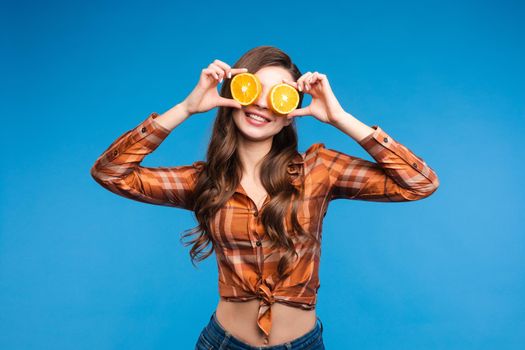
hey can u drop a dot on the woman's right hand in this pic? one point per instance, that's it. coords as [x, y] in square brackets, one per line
[205, 95]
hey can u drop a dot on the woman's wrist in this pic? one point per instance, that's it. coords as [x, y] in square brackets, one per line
[183, 109]
[174, 116]
[351, 126]
[339, 117]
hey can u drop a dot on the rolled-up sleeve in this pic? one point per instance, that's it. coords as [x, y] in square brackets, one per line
[118, 169]
[397, 175]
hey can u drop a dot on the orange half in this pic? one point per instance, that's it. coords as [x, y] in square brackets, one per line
[283, 98]
[245, 88]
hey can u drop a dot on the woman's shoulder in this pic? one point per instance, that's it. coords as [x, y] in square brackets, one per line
[313, 151]
[199, 164]
[314, 148]
[309, 157]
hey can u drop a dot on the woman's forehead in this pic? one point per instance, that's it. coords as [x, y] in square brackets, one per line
[273, 75]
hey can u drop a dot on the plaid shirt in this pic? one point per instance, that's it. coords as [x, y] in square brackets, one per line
[247, 265]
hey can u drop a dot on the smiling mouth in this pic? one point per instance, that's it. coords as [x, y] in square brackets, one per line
[257, 117]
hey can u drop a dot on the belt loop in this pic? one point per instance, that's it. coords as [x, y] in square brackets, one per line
[225, 341]
[288, 345]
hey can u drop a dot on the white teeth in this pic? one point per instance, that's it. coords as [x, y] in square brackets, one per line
[256, 117]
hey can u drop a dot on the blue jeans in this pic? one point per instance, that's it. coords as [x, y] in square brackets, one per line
[215, 337]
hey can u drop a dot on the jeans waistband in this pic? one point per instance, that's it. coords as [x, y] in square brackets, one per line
[217, 331]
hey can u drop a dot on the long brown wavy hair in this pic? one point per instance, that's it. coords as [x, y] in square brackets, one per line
[222, 171]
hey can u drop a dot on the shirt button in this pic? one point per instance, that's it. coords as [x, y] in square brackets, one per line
[385, 139]
[258, 243]
[256, 213]
[414, 164]
[143, 129]
[115, 152]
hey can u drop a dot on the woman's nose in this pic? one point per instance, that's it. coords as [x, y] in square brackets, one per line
[262, 100]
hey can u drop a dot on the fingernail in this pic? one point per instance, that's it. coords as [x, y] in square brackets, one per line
[299, 87]
[229, 75]
[220, 80]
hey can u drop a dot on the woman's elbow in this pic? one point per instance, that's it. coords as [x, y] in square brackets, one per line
[421, 193]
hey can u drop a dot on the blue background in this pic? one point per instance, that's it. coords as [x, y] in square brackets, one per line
[82, 268]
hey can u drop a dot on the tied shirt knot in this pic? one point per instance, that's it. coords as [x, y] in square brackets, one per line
[265, 294]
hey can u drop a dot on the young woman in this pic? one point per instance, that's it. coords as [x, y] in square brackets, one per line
[257, 200]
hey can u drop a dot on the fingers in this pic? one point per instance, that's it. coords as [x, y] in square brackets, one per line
[299, 112]
[211, 73]
[229, 102]
[218, 71]
[308, 79]
[301, 84]
[316, 77]
[234, 71]
[293, 83]
[223, 70]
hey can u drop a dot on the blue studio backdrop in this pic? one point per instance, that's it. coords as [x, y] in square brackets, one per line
[82, 268]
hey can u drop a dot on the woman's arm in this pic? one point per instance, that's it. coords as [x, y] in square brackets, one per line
[118, 169]
[398, 175]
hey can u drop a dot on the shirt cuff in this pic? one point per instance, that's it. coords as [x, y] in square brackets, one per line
[148, 128]
[379, 140]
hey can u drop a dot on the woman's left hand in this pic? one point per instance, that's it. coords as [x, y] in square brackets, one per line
[324, 106]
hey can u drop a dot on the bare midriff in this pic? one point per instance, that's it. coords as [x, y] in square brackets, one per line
[240, 320]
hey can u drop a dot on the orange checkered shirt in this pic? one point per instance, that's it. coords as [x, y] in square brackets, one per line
[247, 265]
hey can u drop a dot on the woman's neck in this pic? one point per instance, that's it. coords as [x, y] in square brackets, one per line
[251, 154]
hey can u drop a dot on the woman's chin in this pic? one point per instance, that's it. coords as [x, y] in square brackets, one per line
[254, 136]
